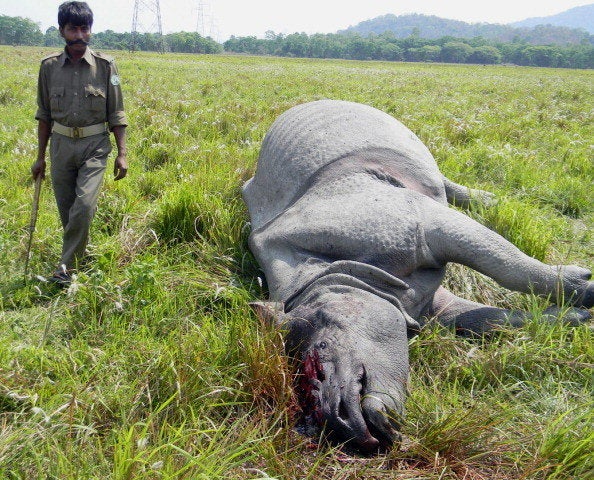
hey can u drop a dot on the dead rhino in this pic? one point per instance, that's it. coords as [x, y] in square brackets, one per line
[351, 227]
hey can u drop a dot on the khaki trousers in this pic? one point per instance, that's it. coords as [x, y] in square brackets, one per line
[77, 166]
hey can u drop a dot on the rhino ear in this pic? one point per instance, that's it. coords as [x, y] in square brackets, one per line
[273, 313]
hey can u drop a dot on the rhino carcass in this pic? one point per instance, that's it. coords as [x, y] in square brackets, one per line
[351, 226]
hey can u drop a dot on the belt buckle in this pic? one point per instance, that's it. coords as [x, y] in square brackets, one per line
[76, 132]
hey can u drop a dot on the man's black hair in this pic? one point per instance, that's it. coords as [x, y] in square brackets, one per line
[75, 13]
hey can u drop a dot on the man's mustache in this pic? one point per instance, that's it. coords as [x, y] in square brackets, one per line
[76, 42]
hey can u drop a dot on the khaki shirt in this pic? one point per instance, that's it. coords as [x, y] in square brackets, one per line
[80, 94]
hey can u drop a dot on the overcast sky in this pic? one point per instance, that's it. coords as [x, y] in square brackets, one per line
[223, 18]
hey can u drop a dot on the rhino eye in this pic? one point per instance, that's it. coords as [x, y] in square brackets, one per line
[323, 345]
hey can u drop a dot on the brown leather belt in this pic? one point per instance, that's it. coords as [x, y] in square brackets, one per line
[79, 132]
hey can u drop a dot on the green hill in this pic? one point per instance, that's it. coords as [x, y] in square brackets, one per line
[578, 17]
[432, 27]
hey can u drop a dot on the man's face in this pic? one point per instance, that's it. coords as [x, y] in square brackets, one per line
[77, 37]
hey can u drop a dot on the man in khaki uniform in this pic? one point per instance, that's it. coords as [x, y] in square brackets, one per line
[79, 100]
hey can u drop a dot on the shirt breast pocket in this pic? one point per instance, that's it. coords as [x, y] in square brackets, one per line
[96, 98]
[57, 98]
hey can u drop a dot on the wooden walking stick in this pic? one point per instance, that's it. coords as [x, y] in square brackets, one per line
[33, 221]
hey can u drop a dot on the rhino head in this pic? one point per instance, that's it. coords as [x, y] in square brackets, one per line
[352, 347]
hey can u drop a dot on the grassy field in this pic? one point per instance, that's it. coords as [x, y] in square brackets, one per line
[152, 366]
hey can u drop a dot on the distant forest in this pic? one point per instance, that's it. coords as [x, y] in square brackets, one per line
[415, 49]
[345, 45]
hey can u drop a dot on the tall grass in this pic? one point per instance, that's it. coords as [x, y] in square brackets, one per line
[152, 365]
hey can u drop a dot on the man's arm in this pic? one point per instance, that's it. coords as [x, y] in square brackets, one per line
[43, 134]
[43, 115]
[116, 119]
[120, 167]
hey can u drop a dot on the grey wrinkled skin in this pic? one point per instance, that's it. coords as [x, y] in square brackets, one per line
[351, 227]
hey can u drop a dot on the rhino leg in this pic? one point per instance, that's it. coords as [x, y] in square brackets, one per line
[464, 197]
[454, 237]
[475, 318]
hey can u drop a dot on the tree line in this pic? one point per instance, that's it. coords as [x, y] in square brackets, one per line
[22, 31]
[385, 46]
[414, 49]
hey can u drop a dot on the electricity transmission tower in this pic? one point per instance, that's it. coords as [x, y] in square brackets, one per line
[147, 19]
[206, 23]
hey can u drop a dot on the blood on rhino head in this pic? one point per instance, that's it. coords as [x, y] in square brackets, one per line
[353, 351]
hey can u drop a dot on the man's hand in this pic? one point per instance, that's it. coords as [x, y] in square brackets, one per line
[120, 167]
[38, 168]
[43, 135]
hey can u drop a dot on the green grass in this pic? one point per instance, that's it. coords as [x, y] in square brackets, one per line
[152, 364]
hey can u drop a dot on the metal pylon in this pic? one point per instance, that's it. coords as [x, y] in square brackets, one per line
[206, 24]
[147, 19]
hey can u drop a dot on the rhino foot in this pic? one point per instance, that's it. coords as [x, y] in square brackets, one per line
[571, 316]
[578, 289]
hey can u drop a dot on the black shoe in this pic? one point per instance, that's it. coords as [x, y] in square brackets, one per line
[60, 277]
